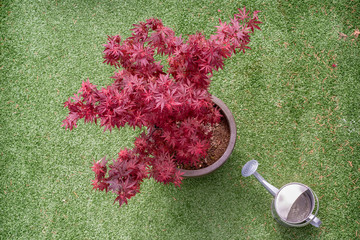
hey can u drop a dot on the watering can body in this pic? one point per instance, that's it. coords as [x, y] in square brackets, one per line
[293, 204]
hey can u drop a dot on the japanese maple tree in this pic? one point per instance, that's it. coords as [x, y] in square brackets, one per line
[174, 107]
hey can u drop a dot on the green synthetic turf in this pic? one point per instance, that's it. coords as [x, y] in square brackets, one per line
[295, 113]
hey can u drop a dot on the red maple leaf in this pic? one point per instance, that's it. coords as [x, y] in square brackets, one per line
[175, 106]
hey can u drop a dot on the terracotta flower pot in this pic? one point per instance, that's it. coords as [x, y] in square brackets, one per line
[232, 126]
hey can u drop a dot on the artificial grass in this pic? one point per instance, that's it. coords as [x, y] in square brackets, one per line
[295, 113]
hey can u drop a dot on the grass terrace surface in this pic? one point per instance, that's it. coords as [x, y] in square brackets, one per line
[295, 98]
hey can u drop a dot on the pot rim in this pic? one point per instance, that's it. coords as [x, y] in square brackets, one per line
[232, 127]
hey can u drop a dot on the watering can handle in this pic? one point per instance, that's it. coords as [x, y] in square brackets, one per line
[316, 222]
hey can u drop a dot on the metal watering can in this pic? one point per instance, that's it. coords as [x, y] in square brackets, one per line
[293, 204]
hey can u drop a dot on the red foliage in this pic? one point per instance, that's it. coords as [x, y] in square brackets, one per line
[175, 106]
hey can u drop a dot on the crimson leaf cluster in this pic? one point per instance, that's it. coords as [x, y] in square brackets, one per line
[174, 107]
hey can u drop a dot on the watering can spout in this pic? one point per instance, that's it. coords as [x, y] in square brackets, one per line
[270, 188]
[250, 169]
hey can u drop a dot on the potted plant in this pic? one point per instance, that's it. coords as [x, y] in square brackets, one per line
[174, 108]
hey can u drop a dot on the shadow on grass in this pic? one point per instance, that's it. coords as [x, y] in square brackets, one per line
[224, 205]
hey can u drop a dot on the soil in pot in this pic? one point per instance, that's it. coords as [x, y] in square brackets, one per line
[218, 144]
